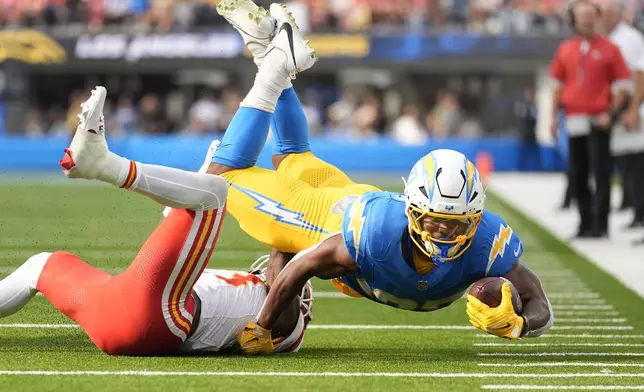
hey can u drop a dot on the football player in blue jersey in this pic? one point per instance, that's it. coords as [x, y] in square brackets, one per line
[418, 251]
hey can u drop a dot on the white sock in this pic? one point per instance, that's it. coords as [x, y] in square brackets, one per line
[269, 84]
[19, 287]
[116, 171]
[178, 188]
[203, 169]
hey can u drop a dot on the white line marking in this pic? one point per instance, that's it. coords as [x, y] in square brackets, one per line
[458, 327]
[577, 336]
[330, 294]
[583, 307]
[578, 301]
[520, 345]
[559, 364]
[310, 374]
[561, 354]
[574, 295]
[375, 327]
[565, 387]
[40, 326]
[595, 327]
[585, 313]
[592, 320]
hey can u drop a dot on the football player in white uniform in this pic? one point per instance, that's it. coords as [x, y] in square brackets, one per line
[164, 303]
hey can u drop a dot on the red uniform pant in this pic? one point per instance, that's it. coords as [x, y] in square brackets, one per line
[147, 309]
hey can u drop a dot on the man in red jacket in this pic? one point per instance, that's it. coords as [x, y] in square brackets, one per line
[593, 82]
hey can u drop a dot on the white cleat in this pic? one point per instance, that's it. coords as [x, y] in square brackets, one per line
[298, 53]
[87, 155]
[254, 23]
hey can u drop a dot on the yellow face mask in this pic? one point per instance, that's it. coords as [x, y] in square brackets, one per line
[442, 237]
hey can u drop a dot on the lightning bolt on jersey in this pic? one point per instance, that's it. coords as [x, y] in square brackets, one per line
[375, 232]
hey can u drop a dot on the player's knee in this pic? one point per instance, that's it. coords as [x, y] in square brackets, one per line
[217, 192]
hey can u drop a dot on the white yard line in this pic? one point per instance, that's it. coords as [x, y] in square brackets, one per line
[560, 364]
[562, 354]
[576, 336]
[330, 294]
[594, 327]
[591, 320]
[577, 301]
[584, 313]
[582, 307]
[363, 327]
[564, 387]
[573, 294]
[150, 373]
[520, 345]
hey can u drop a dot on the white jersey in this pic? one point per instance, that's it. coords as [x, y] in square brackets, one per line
[229, 301]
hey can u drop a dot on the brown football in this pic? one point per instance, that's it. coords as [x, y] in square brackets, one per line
[488, 291]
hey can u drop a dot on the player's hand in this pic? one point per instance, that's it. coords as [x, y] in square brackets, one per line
[501, 321]
[255, 340]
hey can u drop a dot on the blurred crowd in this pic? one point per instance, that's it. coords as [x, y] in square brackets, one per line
[492, 16]
[359, 113]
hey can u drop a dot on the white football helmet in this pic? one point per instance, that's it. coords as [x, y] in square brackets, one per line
[444, 197]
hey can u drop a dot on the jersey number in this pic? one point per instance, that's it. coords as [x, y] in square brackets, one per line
[403, 303]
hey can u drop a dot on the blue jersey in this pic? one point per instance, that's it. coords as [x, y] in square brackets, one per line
[375, 232]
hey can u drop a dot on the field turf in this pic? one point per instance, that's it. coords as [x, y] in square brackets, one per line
[353, 344]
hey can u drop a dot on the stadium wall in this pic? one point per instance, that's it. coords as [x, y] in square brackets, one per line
[381, 155]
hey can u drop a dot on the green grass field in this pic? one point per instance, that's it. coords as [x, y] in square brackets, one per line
[598, 340]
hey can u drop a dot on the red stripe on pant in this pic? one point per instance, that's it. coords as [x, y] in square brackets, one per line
[123, 314]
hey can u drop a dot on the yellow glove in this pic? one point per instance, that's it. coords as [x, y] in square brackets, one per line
[255, 340]
[501, 321]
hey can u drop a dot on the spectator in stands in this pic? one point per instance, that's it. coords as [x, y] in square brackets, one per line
[446, 117]
[208, 111]
[125, 116]
[230, 99]
[367, 118]
[340, 114]
[311, 107]
[151, 118]
[34, 124]
[407, 129]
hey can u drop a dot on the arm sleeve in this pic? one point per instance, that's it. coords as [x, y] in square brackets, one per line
[557, 67]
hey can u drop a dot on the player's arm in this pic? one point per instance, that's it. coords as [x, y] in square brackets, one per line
[276, 263]
[537, 312]
[326, 260]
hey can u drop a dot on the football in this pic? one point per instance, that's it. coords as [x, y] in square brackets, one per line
[488, 291]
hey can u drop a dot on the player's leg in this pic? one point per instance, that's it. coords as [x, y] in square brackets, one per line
[20, 286]
[147, 309]
[88, 157]
[286, 55]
